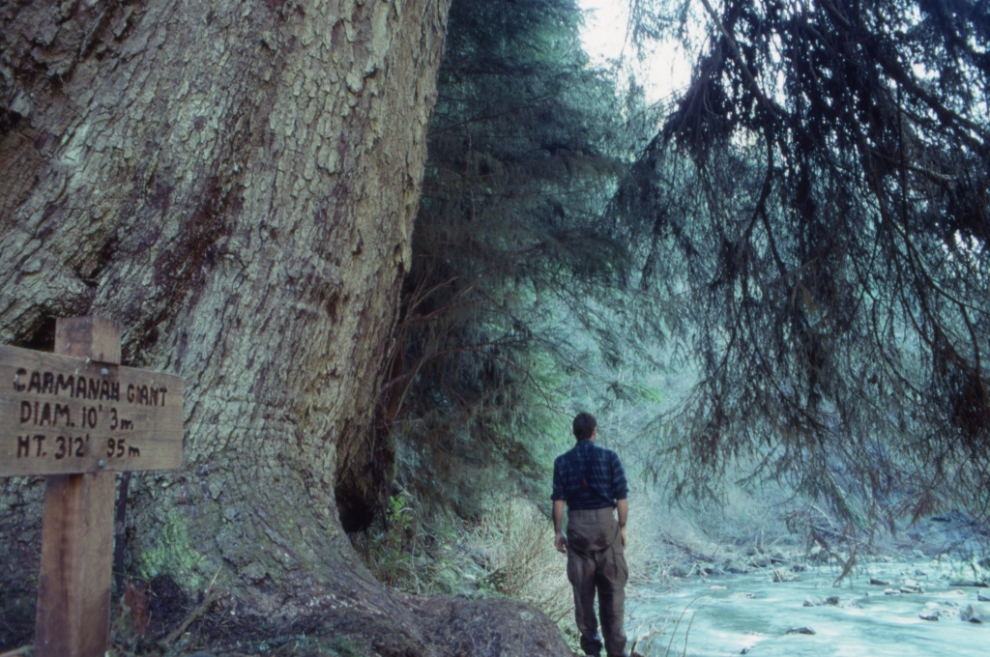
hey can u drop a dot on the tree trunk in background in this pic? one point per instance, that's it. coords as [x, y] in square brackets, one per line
[235, 183]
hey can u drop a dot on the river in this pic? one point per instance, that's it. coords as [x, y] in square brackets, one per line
[715, 617]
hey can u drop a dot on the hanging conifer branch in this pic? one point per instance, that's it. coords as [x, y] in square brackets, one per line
[827, 239]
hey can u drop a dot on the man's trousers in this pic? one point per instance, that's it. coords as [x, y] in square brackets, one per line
[595, 562]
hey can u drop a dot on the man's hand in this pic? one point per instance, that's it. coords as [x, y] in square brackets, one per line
[622, 507]
[559, 541]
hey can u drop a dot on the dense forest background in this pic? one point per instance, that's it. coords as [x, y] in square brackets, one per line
[771, 286]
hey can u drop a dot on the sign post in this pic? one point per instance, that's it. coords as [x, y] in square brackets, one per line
[79, 417]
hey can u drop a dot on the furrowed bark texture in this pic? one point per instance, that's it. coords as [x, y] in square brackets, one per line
[235, 183]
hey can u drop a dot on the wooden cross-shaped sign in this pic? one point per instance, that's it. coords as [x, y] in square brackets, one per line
[78, 417]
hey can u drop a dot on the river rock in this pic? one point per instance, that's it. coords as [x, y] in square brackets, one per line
[784, 575]
[975, 614]
[911, 586]
[982, 598]
[931, 612]
[878, 582]
[819, 602]
[800, 630]
[891, 592]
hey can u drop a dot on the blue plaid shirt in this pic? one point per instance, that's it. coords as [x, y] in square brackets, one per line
[605, 476]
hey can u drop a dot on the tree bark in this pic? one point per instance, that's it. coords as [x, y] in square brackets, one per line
[236, 184]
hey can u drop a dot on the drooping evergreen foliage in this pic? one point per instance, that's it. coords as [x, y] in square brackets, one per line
[816, 207]
[524, 152]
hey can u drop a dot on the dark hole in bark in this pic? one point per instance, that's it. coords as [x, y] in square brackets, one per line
[106, 256]
[8, 121]
[41, 337]
[357, 509]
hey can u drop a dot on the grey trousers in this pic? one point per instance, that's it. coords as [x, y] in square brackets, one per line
[596, 563]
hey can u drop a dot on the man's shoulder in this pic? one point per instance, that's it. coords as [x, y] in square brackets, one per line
[611, 455]
[566, 457]
[606, 450]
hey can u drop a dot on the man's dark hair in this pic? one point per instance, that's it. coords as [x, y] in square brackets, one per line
[584, 426]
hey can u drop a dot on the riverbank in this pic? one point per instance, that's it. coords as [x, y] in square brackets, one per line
[885, 608]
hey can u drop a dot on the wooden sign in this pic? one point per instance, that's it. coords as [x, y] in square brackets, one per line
[64, 415]
[77, 416]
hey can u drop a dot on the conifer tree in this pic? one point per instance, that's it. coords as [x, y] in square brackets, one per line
[523, 156]
[817, 208]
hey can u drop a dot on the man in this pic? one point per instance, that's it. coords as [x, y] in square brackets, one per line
[591, 481]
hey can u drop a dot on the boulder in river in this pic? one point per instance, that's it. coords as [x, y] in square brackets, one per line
[911, 586]
[975, 613]
[931, 612]
[819, 602]
[878, 582]
[982, 598]
[891, 592]
[800, 630]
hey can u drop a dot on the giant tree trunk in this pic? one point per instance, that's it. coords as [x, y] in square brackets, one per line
[234, 182]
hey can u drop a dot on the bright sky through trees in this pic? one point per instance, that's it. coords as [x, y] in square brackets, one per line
[661, 72]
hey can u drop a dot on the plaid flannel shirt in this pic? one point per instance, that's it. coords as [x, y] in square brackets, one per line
[606, 478]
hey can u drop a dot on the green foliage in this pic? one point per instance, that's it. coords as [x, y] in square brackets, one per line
[512, 267]
[813, 217]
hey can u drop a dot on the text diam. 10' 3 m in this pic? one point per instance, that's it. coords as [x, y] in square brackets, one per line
[60, 415]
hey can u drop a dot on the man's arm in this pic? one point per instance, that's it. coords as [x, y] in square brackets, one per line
[559, 541]
[622, 506]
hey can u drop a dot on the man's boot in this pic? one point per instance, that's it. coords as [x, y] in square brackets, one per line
[592, 646]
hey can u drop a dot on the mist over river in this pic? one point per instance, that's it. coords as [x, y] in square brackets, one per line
[750, 614]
